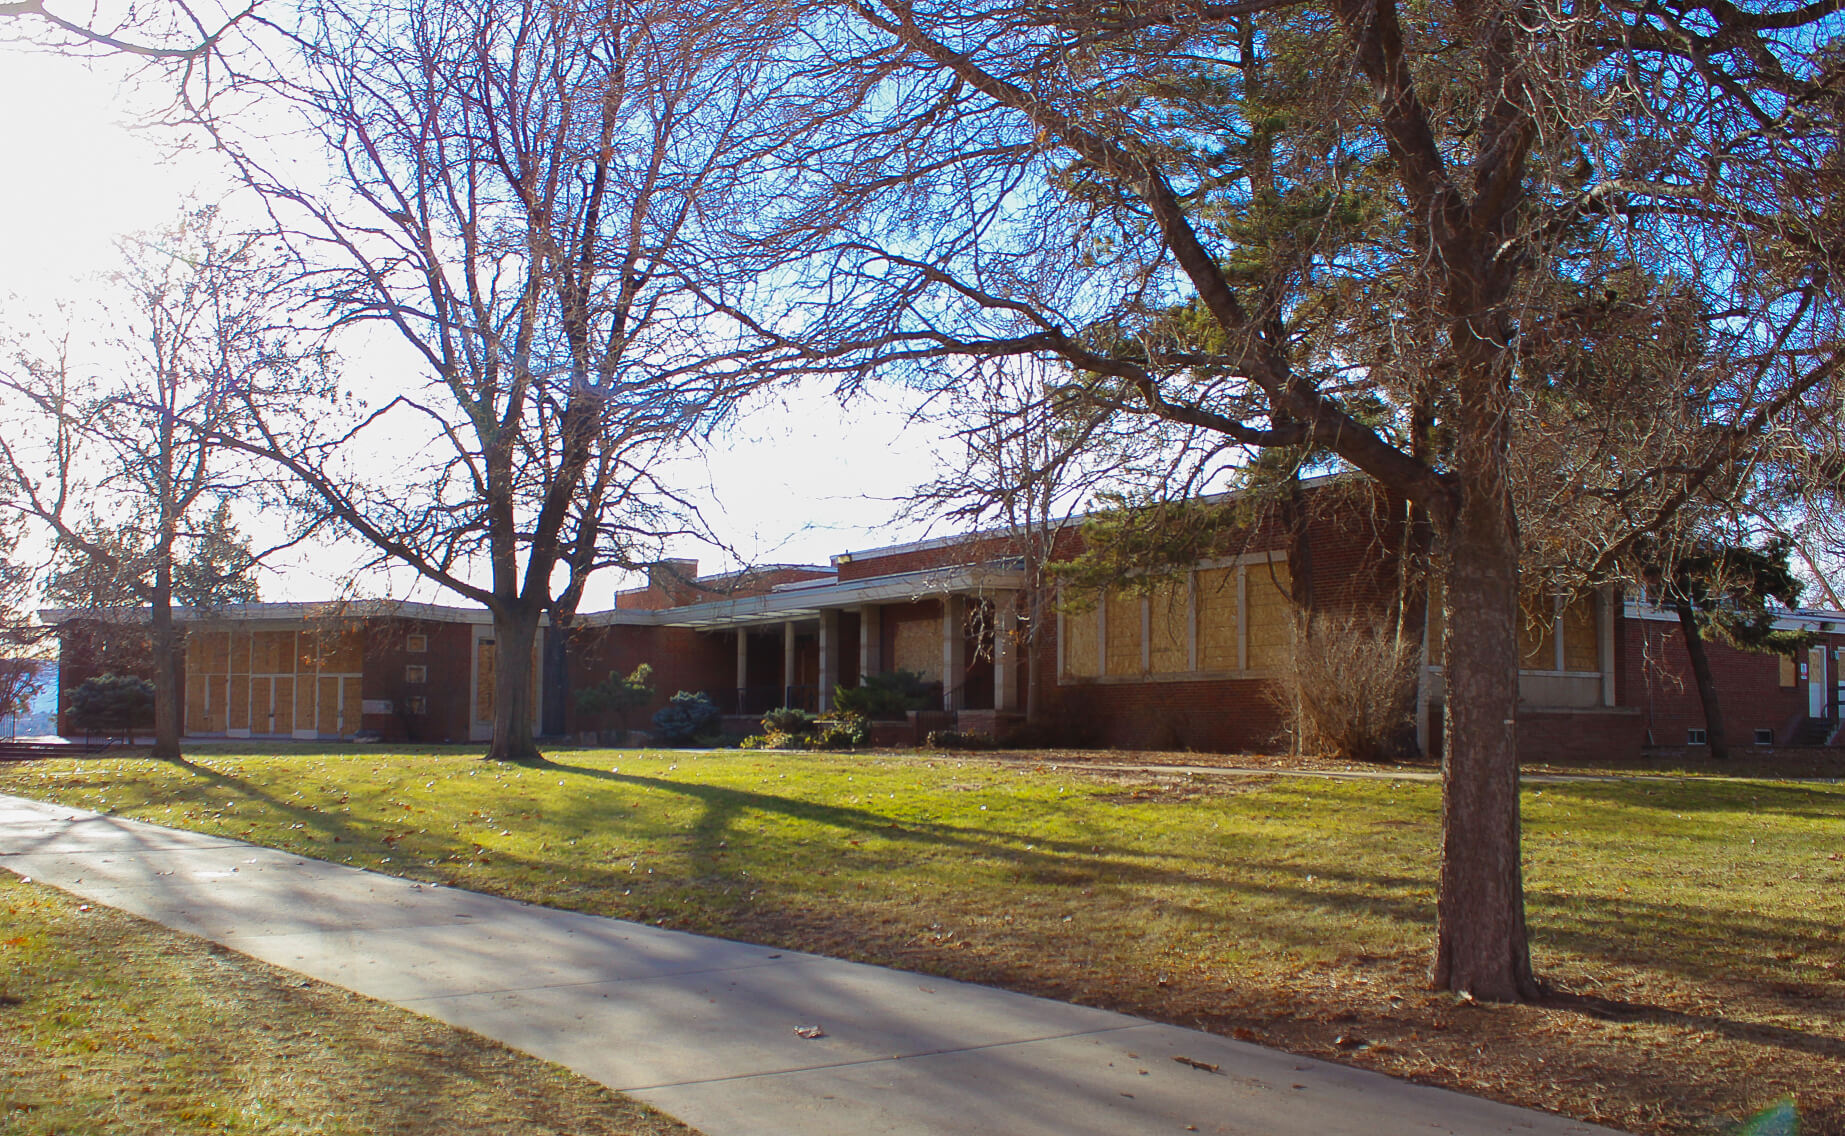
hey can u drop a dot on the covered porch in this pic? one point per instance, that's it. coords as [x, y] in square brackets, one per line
[957, 628]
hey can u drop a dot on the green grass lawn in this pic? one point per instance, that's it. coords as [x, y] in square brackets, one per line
[1691, 929]
[109, 1023]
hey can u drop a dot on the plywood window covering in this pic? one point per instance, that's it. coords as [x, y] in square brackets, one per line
[1537, 629]
[240, 701]
[282, 716]
[1790, 672]
[1169, 618]
[416, 644]
[1267, 590]
[416, 673]
[916, 645]
[1081, 645]
[274, 682]
[1581, 641]
[1214, 591]
[208, 664]
[483, 682]
[1121, 624]
[272, 652]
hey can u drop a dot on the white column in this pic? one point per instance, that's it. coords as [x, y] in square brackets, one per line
[1604, 633]
[1005, 652]
[870, 641]
[787, 662]
[954, 647]
[829, 659]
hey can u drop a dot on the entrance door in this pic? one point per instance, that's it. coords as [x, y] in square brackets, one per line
[480, 726]
[1817, 686]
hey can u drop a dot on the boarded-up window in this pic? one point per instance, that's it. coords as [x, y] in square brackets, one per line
[1581, 643]
[1790, 671]
[351, 705]
[262, 706]
[483, 682]
[240, 702]
[1081, 645]
[1217, 619]
[1537, 629]
[334, 651]
[1169, 627]
[916, 645]
[272, 652]
[208, 659]
[217, 716]
[195, 704]
[327, 720]
[283, 720]
[1122, 626]
[1267, 600]
[208, 652]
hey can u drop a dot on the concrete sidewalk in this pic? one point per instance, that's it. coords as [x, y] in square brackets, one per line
[704, 1029]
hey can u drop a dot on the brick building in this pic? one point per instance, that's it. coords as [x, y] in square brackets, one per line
[1183, 663]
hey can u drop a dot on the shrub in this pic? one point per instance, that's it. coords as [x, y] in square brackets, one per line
[112, 702]
[689, 716]
[885, 695]
[844, 731]
[1348, 689]
[787, 720]
[616, 696]
[954, 739]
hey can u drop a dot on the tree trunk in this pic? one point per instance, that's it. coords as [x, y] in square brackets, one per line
[515, 633]
[168, 689]
[1481, 947]
[1707, 686]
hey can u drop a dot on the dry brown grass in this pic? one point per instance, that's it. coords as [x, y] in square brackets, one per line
[109, 1023]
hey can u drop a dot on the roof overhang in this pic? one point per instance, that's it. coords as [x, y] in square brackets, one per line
[795, 602]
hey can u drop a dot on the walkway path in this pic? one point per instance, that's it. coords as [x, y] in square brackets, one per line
[705, 1029]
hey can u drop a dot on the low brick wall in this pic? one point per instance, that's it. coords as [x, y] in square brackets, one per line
[1580, 737]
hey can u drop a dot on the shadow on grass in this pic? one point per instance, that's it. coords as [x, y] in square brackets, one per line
[1821, 802]
[1755, 1033]
[1264, 898]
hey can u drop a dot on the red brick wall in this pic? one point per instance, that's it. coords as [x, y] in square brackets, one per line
[682, 659]
[664, 591]
[1654, 675]
[973, 550]
[449, 662]
[1580, 737]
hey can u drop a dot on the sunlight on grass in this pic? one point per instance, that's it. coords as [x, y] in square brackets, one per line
[1287, 905]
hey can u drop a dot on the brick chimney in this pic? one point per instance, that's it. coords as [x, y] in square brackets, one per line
[672, 581]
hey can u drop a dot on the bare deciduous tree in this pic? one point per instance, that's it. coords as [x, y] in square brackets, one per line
[122, 443]
[519, 192]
